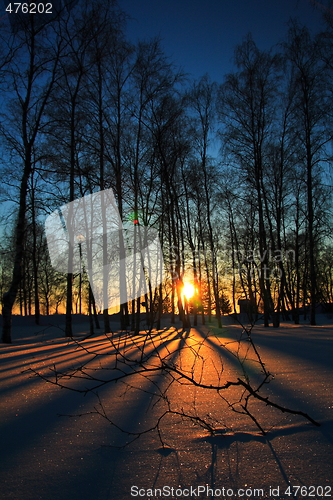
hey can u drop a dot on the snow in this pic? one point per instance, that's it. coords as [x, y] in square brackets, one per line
[51, 457]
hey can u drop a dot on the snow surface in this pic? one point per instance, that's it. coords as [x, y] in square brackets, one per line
[51, 457]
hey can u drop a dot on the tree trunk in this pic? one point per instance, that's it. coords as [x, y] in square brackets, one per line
[10, 296]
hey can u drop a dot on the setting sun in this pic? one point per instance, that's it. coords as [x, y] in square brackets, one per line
[188, 290]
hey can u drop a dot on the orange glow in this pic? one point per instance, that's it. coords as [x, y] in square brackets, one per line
[188, 290]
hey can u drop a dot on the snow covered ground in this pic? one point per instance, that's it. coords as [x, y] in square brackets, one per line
[50, 457]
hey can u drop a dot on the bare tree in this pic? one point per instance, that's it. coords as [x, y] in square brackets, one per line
[311, 109]
[106, 39]
[202, 103]
[31, 77]
[247, 111]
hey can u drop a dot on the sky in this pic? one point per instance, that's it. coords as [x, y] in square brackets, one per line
[200, 35]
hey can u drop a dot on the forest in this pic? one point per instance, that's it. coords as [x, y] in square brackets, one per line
[236, 176]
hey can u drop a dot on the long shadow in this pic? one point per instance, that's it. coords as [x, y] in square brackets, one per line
[304, 347]
[42, 422]
[226, 353]
[132, 420]
[22, 433]
[224, 440]
[76, 351]
[24, 438]
[165, 451]
[54, 355]
[15, 351]
[282, 393]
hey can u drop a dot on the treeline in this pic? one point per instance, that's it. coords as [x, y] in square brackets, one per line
[235, 175]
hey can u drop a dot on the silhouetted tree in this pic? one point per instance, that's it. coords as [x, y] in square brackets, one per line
[247, 110]
[32, 75]
[311, 114]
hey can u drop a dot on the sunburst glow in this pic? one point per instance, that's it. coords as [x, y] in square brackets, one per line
[188, 290]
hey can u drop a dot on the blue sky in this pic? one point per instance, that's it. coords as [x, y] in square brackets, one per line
[200, 35]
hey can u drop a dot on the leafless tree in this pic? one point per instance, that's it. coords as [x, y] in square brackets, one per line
[311, 110]
[247, 111]
[31, 79]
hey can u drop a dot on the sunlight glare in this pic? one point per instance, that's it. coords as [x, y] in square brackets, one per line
[188, 290]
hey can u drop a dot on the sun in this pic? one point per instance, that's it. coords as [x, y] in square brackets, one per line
[188, 290]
